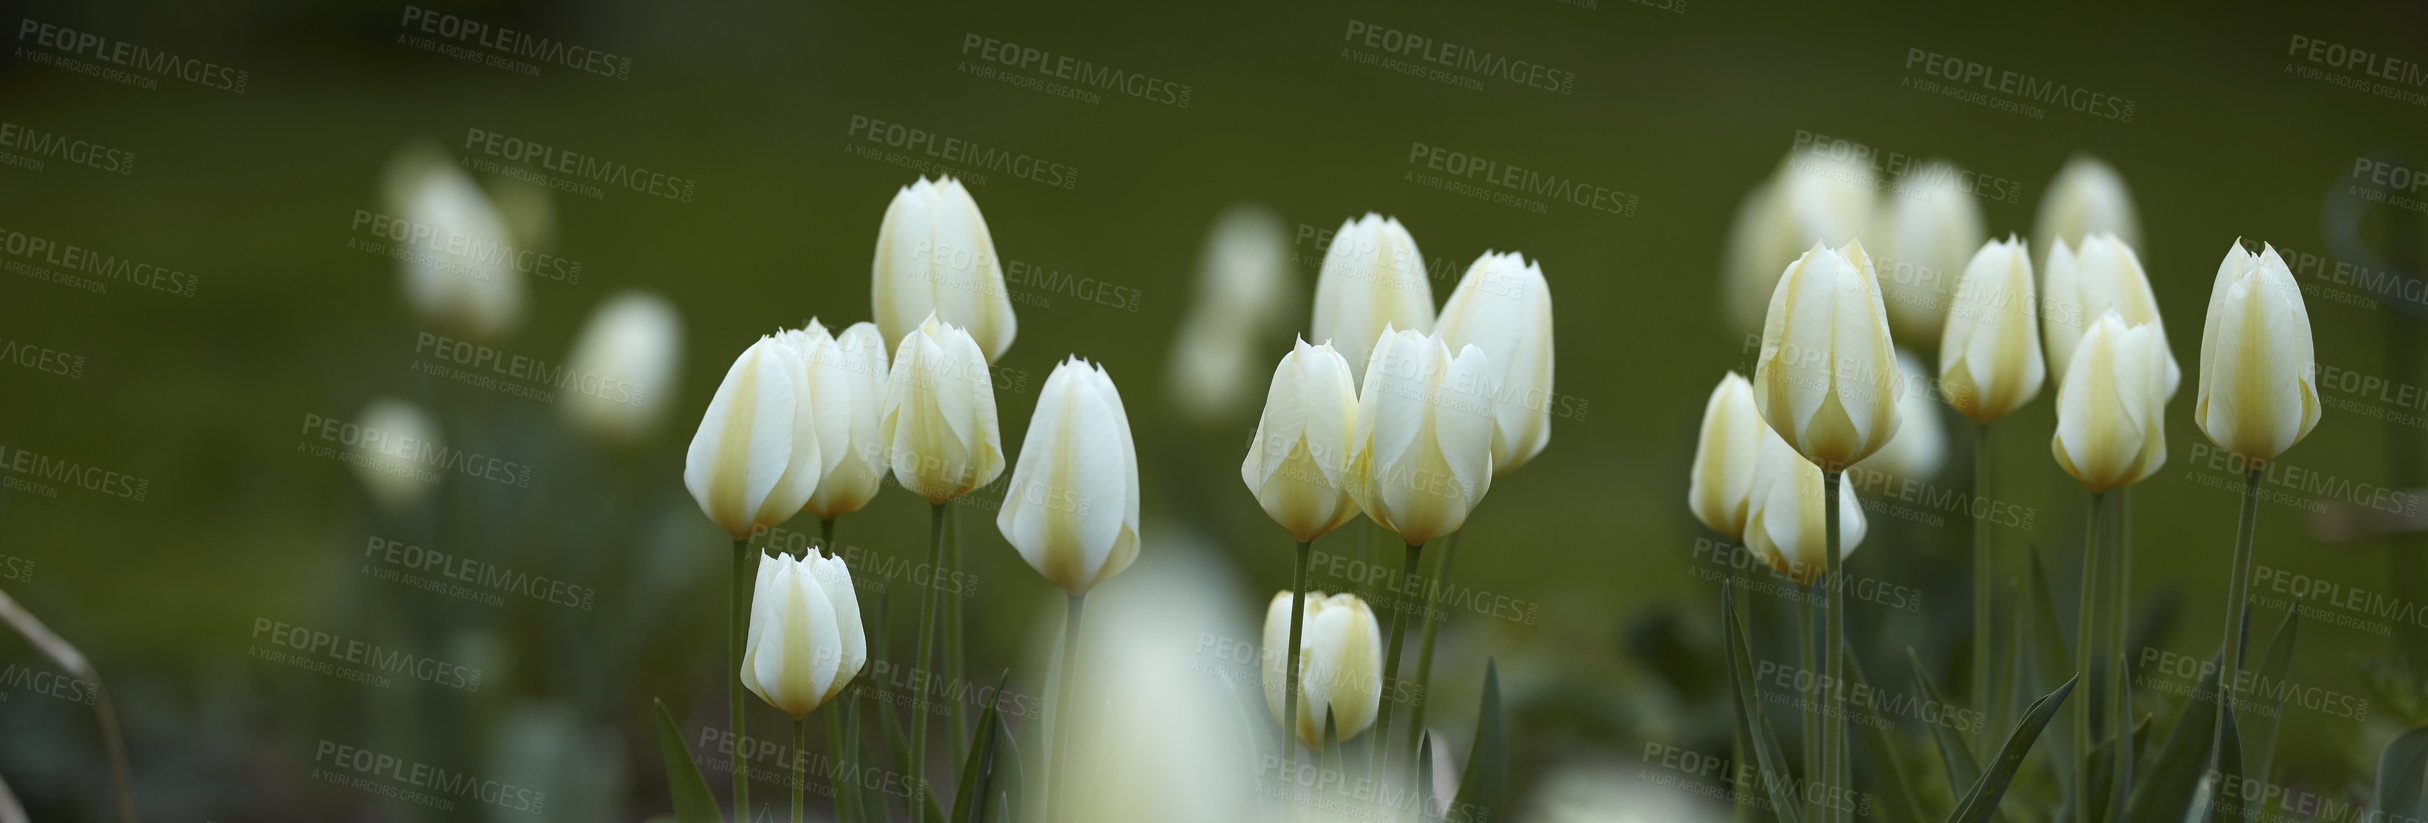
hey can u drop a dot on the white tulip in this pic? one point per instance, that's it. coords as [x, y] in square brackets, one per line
[1720, 486]
[1928, 229]
[1811, 198]
[1072, 507]
[1920, 447]
[1372, 279]
[1422, 455]
[1503, 306]
[1989, 358]
[627, 362]
[755, 458]
[938, 423]
[1827, 377]
[2258, 373]
[847, 384]
[2111, 409]
[463, 276]
[1243, 296]
[1298, 460]
[805, 643]
[1787, 525]
[934, 256]
[2101, 275]
[387, 459]
[2087, 197]
[1340, 663]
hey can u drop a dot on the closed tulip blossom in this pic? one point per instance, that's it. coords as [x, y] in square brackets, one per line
[1503, 306]
[627, 357]
[1812, 197]
[1720, 487]
[1421, 457]
[2088, 197]
[2111, 427]
[847, 387]
[1784, 524]
[1928, 228]
[1072, 506]
[1989, 358]
[806, 643]
[1373, 278]
[389, 458]
[465, 283]
[2258, 373]
[1827, 378]
[1298, 459]
[755, 459]
[935, 256]
[2088, 280]
[1340, 659]
[938, 422]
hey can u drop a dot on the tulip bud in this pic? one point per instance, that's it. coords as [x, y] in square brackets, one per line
[628, 358]
[1928, 229]
[847, 385]
[1372, 279]
[1503, 307]
[1721, 483]
[1422, 455]
[1920, 446]
[1787, 525]
[934, 256]
[2258, 374]
[1340, 663]
[387, 458]
[1827, 379]
[2087, 197]
[1297, 462]
[465, 278]
[1811, 198]
[938, 423]
[805, 642]
[2100, 276]
[1989, 359]
[1244, 293]
[1072, 508]
[2111, 409]
[755, 459]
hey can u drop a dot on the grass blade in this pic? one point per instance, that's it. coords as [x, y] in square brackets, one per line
[1483, 789]
[692, 802]
[977, 770]
[1981, 802]
[2399, 777]
[1775, 778]
[2259, 740]
[2163, 791]
[1961, 770]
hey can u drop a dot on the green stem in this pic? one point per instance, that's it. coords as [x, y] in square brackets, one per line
[920, 707]
[826, 539]
[800, 737]
[1379, 747]
[1742, 560]
[1057, 796]
[2120, 690]
[953, 638]
[1831, 580]
[1289, 701]
[839, 757]
[738, 595]
[1806, 604]
[2238, 590]
[1438, 588]
[1985, 583]
[2085, 634]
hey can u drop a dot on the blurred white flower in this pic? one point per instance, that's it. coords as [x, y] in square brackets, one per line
[388, 458]
[2087, 197]
[626, 365]
[459, 272]
[1920, 445]
[1928, 228]
[1242, 299]
[1811, 198]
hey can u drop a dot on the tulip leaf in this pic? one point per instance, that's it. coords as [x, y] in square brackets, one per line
[1483, 789]
[1883, 750]
[1424, 778]
[2399, 777]
[2229, 770]
[978, 769]
[1981, 802]
[2049, 658]
[2163, 792]
[692, 802]
[1961, 770]
[2259, 740]
[1775, 777]
[1013, 772]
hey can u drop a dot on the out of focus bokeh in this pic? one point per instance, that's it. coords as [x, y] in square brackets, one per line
[208, 277]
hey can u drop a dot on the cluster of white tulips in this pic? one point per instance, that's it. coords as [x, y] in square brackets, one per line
[1404, 416]
[812, 422]
[1827, 392]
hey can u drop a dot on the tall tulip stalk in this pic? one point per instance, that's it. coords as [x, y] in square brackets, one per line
[1989, 365]
[1072, 511]
[1827, 382]
[805, 644]
[2258, 396]
[1296, 466]
[943, 441]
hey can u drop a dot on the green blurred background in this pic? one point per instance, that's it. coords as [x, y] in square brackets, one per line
[1685, 107]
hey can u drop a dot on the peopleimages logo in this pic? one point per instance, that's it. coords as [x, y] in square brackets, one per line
[508, 42]
[90, 478]
[435, 779]
[1464, 59]
[70, 45]
[58, 146]
[577, 166]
